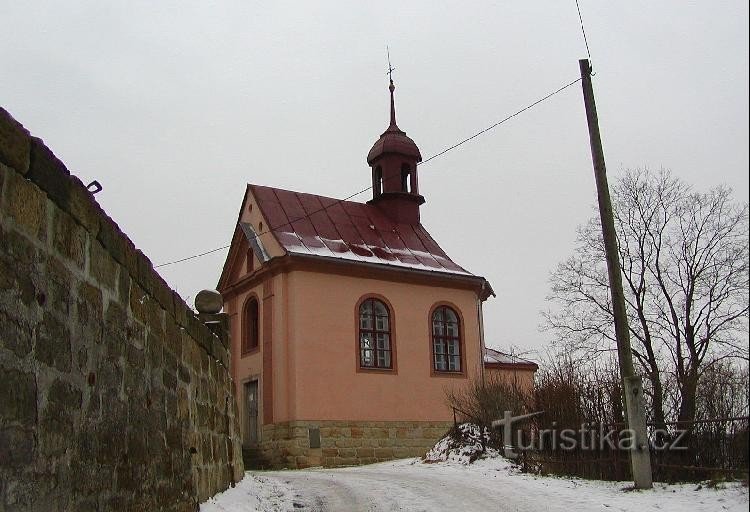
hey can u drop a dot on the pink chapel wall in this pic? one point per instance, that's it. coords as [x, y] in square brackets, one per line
[315, 370]
[325, 350]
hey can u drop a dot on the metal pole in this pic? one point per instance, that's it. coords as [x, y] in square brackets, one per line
[640, 460]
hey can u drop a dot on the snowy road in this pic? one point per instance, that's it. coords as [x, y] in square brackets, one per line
[487, 485]
[380, 490]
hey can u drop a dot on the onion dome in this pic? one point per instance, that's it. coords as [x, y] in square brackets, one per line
[394, 140]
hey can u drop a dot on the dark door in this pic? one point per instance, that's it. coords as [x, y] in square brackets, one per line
[251, 406]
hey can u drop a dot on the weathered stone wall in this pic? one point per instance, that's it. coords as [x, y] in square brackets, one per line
[113, 395]
[348, 443]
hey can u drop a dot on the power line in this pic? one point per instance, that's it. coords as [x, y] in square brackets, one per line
[524, 109]
[583, 30]
[355, 194]
[192, 257]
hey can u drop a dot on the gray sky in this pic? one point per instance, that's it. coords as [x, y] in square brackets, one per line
[174, 106]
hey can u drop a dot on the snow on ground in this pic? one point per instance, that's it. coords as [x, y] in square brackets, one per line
[488, 484]
[457, 475]
[255, 492]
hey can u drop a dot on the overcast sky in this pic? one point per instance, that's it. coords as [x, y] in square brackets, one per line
[175, 106]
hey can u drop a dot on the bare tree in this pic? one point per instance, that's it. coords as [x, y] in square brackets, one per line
[684, 258]
[485, 400]
[723, 391]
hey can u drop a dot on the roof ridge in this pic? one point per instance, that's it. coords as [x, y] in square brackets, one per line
[274, 189]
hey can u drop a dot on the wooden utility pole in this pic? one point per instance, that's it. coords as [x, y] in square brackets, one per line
[640, 459]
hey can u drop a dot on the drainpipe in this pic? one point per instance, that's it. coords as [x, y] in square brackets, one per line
[480, 319]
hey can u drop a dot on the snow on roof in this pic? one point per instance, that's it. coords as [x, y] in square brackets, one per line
[492, 356]
[322, 226]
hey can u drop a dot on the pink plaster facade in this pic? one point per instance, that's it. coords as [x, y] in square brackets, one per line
[510, 370]
[315, 353]
[316, 372]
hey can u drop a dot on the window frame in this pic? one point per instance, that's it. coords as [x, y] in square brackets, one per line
[461, 342]
[393, 369]
[245, 348]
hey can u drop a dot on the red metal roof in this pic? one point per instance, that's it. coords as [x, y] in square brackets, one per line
[393, 140]
[316, 225]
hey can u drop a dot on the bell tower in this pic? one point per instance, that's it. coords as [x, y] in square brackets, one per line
[393, 159]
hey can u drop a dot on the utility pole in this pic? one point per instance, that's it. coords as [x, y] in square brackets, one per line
[640, 459]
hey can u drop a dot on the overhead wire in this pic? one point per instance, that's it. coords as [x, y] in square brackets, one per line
[355, 194]
[583, 30]
[206, 253]
[527, 107]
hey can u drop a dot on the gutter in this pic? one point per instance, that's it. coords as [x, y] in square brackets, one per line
[485, 290]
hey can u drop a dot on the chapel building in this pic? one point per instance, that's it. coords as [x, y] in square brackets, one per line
[348, 321]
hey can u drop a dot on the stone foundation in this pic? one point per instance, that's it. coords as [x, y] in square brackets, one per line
[347, 443]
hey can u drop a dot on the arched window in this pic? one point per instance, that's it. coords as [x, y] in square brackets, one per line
[446, 340]
[405, 178]
[250, 326]
[377, 181]
[374, 335]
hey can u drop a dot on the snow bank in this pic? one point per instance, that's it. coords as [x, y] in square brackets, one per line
[464, 446]
[254, 493]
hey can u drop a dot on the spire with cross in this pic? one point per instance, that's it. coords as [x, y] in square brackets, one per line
[391, 87]
[393, 160]
[391, 69]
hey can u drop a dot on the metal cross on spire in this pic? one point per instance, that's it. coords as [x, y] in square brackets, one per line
[391, 87]
[391, 69]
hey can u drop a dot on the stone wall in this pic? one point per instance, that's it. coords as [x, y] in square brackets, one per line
[347, 443]
[114, 395]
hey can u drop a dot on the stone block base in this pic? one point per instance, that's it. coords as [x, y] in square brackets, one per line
[347, 443]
